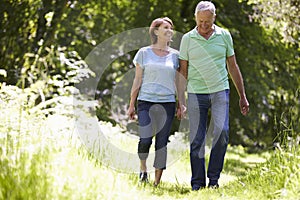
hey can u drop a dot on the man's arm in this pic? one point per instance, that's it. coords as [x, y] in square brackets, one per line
[237, 78]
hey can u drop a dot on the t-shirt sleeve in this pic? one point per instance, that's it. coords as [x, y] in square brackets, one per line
[175, 54]
[183, 49]
[176, 61]
[138, 59]
[229, 43]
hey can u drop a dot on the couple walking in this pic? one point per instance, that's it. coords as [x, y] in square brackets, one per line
[201, 67]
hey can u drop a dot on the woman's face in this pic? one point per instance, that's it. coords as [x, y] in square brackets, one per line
[164, 32]
[204, 20]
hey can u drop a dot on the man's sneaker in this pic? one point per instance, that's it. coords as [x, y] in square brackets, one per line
[143, 177]
[213, 186]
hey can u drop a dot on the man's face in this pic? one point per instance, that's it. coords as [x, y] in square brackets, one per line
[204, 20]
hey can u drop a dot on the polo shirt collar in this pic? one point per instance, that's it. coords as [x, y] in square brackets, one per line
[195, 34]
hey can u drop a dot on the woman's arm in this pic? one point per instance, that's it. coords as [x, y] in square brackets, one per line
[137, 82]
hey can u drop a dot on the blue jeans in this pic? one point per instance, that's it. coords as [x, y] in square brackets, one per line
[155, 119]
[198, 107]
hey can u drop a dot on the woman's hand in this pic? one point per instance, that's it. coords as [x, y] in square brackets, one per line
[131, 112]
[181, 112]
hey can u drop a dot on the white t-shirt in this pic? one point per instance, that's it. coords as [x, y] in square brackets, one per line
[158, 84]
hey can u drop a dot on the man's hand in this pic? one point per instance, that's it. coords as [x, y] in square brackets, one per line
[181, 112]
[244, 106]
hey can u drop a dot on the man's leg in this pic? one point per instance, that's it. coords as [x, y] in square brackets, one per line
[220, 130]
[198, 110]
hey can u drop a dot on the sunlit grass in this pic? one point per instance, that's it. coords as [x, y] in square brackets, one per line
[44, 158]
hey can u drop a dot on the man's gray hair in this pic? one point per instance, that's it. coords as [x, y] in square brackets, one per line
[205, 5]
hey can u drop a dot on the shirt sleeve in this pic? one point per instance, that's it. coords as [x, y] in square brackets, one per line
[176, 61]
[183, 49]
[138, 58]
[229, 43]
[175, 54]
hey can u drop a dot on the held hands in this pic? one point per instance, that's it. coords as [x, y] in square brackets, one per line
[181, 112]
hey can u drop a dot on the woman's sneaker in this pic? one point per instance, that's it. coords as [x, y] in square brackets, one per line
[143, 177]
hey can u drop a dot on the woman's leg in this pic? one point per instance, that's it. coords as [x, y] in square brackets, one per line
[143, 166]
[158, 174]
[146, 134]
[164, 115]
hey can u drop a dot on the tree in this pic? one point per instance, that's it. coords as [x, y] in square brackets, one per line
[46, 42]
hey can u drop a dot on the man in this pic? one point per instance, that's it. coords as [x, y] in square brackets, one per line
[204, 54]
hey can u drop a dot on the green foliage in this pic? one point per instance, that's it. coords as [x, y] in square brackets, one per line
[279, 102]
[271, 80]
[56, 71]
[42, 48]
[30, 52]
[45, 42]
[280, 16]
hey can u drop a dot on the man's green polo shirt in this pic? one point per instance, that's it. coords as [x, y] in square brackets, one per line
[207, 71]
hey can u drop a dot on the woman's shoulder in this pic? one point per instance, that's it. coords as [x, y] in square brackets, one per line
[173, 51]
[143, 51]
[145, 48]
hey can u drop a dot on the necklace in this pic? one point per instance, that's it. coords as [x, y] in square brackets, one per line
[160, 51]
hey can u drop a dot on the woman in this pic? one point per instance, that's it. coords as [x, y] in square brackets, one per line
[154, 88]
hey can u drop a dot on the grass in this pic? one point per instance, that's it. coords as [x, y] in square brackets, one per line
[44, 158]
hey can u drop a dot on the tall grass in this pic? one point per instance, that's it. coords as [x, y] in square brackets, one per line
[279, 176]
[42, 158]
[24, 162]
